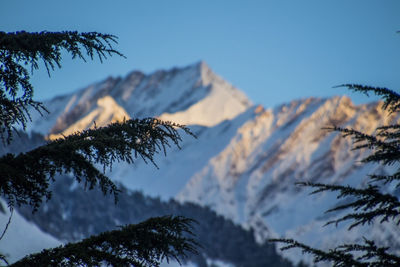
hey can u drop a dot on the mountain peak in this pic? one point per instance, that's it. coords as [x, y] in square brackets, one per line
[203, 66]
[187, 95]
[199, 65]
[198, 68]
[212, 99]
[201, 70]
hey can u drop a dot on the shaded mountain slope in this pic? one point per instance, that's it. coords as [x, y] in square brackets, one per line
[74, 213]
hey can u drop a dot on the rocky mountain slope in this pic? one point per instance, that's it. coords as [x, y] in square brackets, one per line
[246, 159]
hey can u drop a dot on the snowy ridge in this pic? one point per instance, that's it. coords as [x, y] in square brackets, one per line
[180, 164]
[245, 169]
[222, 102]
[246, 159]
[252, 180]
[189, 95]
[107, 111]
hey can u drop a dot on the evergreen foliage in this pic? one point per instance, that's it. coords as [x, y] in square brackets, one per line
[18, 50]
[142, 245]
[370, 204]
[25, 178]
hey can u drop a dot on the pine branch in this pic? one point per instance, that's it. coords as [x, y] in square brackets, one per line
[370, 251]
[19, 49]
[370, 201]
[31, 47]
[346, 255]
[337, 257]
[145, 244]
[386, 149]
[15, 111]
[362, 140]
[4, 259]
[7, 224]
[389, 132]
[387, 178]
[385, 145]
[25, 178]
[390, 97]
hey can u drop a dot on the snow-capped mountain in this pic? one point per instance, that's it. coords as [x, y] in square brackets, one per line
[190, 95]
[252, 181]
[246, 159]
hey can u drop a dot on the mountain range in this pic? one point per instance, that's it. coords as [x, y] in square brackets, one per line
[246, 159]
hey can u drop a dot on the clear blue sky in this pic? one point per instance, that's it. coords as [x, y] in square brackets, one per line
[274, 51]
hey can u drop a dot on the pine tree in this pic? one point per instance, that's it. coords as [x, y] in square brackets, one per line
[25, 178]
[369, 204]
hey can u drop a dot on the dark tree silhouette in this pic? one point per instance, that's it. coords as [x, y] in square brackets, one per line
[25, 178]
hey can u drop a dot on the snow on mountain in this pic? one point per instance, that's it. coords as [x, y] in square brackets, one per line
[246, 159]
[22, 237]
[223, 101]
[252, 181]
[106, 112]
[179, 165]
[246, 169]
[190, 95]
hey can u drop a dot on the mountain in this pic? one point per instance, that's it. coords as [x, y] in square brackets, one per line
[74, 213]
[246, 159]
[252, 181]
[190, 95]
